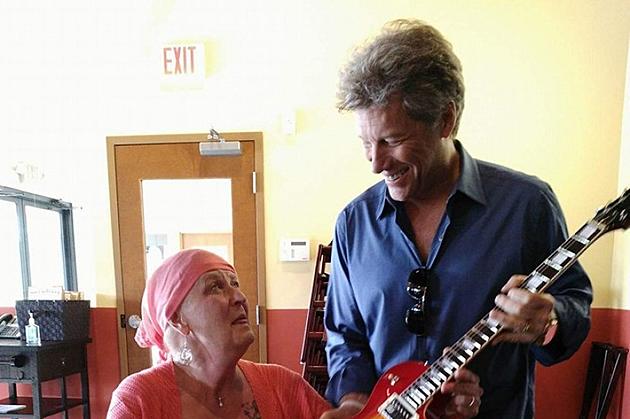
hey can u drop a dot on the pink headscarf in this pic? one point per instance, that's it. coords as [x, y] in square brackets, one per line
[166, 290]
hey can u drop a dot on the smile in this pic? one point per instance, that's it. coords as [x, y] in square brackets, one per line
[395, 176]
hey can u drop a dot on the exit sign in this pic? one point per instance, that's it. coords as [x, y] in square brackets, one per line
[183, 64]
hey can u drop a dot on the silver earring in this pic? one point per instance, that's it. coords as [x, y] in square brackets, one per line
[185, 356]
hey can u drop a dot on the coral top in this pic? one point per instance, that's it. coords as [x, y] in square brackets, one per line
[278, 391]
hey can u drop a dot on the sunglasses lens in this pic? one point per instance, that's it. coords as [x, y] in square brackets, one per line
[414, 320]
[417, 283]
[416, 292]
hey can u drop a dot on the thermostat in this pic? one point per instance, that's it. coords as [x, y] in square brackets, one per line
[294, 250]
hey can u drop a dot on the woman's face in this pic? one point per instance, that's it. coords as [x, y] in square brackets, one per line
[216, 310]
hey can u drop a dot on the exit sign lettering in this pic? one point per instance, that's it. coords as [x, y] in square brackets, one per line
[183, 64]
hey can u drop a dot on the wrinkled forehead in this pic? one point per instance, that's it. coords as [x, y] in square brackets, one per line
[215, 275]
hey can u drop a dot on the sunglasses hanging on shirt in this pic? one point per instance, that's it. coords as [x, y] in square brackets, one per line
[417, 289]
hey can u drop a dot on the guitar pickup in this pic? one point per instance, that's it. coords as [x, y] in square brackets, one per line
[395, 407]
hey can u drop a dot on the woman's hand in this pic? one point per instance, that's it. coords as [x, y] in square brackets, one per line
[466, 394]
[350, 405]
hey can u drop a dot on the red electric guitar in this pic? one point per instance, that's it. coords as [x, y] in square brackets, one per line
[411, 390]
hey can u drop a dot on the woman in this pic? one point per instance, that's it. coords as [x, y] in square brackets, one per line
[195, 313]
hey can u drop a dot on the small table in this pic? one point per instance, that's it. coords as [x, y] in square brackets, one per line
[23, 364]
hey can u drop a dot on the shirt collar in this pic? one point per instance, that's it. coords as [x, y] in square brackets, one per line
[469, 183]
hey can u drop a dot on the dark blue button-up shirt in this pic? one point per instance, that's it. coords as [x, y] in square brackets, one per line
[498, 222]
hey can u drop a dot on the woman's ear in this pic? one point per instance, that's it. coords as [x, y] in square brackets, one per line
[177, 323]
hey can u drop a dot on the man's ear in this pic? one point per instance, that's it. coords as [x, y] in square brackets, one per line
[447, 123]
[177, 323]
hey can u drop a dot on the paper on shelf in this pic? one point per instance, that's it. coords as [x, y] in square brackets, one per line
[6, 408]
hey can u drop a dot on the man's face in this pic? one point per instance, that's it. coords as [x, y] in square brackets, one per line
[406, 152]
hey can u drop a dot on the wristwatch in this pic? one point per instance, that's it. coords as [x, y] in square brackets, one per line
[550, 330]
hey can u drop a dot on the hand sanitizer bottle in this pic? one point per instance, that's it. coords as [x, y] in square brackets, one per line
[32, 331]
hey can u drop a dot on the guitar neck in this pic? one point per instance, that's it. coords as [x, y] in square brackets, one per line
[465, 349]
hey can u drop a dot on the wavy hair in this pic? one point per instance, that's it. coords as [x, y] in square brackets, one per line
[409, 58]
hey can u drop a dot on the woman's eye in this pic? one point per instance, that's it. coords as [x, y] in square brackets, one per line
[213, 288]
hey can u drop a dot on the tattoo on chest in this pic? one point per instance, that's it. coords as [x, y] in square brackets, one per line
[250, 410]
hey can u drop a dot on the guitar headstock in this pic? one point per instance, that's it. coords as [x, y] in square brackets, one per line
[616, 214]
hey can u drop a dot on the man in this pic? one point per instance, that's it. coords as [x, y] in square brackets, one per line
[465, 225]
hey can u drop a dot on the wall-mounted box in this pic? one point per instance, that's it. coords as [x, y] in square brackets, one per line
[294, 250]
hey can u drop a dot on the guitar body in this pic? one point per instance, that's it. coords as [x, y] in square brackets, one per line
[396, 380]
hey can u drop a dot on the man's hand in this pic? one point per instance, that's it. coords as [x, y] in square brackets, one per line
[525, 315]
[350, 405]
[466, 394]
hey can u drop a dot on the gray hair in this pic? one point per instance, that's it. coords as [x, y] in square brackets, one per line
[410, 59]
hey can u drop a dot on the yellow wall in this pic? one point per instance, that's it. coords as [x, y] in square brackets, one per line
[545, 83]
[620, 284]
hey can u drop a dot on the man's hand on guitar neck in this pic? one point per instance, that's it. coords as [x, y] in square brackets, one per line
[526, 316]
[350, 405]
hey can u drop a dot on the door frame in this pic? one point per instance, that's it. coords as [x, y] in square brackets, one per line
[256, 138]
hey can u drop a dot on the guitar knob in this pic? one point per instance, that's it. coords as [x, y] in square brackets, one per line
[393, 379]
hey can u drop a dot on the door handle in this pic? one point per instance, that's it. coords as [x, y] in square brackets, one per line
[134, 321]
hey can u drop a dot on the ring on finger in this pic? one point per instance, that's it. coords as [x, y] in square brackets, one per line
[525, 328]
[472, 402]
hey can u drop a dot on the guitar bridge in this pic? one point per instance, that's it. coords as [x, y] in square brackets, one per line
[395, 407]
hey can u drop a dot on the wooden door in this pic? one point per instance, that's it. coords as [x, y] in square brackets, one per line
[136, 159]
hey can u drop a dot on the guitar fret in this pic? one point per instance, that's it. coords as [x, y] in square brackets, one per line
[547, 270]
[568, 253]
[446, 368]
[440, 374]
[419, 397]
[460, 351]
[430, 384]
[476, 333]
[469, 343]
[552, 264]
[477, 338]
[413, 399]
[452, 363]
[493, 325]
[588, 231]
[573, 245]
[434, 380]
[535, 281]
[485, 335]
[424, 391]
[419, 394]
[581, 239]
[559, 258]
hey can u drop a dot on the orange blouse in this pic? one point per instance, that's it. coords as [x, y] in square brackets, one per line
[278, 391]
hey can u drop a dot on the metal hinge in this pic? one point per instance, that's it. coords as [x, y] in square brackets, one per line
[123, 321]
[254, 183]
[257, 315]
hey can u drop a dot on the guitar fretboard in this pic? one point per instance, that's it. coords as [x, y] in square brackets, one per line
[460, 353]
